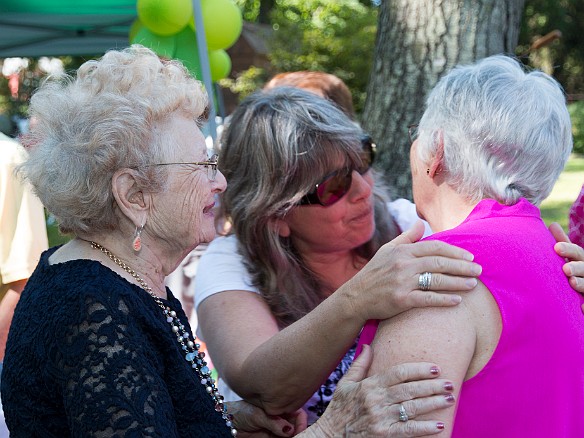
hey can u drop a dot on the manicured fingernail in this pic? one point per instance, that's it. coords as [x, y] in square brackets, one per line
[455, 299]
[477, 269]
[287, 429]
[440, 425]
[448, 386]
[568, 270]
[435, 370]
[468, 256]
[449, 398]
[471, 282]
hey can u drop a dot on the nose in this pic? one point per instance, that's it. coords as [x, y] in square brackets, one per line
[361, 187]
[220, 183]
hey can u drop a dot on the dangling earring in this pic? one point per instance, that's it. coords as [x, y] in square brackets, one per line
[137, 242]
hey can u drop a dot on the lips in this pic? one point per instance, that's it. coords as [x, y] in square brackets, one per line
[363, 215]
[208, 208]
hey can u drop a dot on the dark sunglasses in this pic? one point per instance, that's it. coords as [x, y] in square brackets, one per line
[336, 184]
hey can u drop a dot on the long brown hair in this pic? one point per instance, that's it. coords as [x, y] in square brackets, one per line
[277, 145]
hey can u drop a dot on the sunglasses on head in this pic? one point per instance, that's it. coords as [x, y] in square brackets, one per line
[336, 184]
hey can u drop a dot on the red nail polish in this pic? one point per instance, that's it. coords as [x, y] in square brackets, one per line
[286, 429]
[449, 398]
[448, 386]
[440, 425]
[435, 370]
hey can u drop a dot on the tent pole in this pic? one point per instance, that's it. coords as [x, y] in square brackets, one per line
[205, 68]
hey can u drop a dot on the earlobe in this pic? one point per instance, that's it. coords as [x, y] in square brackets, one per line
[281, 227]
[436, 164]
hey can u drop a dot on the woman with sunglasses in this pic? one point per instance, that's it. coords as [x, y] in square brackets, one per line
[306, 219]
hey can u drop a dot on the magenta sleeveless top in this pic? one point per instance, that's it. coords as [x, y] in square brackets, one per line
[533, 385]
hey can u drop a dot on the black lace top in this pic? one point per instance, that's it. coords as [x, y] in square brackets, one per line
[91, 355]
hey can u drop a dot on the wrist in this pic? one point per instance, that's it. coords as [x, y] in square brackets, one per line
[352, 305]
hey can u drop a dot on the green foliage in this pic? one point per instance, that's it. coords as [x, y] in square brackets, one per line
[335, 36]
[577, 115]
[246, 82]
[564, 58]
[255, 10]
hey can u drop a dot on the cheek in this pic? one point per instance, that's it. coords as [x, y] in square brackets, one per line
[194, 202]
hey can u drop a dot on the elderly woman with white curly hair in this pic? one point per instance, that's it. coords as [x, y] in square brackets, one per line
[492, 142]
[98, 345]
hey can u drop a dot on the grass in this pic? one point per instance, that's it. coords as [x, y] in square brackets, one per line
[55, 238]
[556, 207]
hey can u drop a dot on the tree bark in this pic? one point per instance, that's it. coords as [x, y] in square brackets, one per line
[417, 42]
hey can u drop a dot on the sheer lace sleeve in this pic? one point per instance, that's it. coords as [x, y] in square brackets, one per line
[111, 382]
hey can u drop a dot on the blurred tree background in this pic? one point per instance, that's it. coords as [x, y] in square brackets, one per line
[338, 36]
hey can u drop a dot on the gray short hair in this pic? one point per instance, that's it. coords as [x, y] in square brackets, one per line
[102, 120]
[277, 146]
[506, 132]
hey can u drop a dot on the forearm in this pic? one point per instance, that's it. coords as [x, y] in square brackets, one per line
[285, 368]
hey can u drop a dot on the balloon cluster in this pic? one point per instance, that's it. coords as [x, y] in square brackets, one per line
[168, 28]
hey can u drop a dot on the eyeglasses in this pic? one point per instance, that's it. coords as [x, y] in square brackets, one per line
[336, 184]
[413, 132]
[210, 165]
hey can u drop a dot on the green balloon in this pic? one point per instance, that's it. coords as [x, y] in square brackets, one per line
[164, 17]
[134, 29]
[222, 21]
[220, 64]
[162, 45]
[188, 53]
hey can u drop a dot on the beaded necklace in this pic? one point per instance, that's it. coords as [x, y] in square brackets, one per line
[191, 349]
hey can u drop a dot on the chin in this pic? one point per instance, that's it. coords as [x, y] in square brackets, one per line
[207, 235]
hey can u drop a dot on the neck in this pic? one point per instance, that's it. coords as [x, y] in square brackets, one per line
[148, 271]
[446, 210]
[334, 269]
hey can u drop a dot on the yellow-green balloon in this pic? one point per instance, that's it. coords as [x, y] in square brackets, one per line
[188, 53]
[220, 64]
[222, 21]
[164, 17]
[134, 29]
[162, 45]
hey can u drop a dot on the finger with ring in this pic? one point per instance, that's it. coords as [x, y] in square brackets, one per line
[425, 281]
[403, 416]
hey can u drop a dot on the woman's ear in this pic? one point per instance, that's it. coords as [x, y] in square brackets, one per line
[280, 226]
[130, 199]
[437, 162]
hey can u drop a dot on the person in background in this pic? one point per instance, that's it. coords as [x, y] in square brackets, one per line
[98, 345]
[23, 233]
[323, 84]
[515, 346]
[23, 237]
[576, 220]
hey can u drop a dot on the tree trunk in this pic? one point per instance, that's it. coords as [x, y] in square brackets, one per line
[417, 42]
